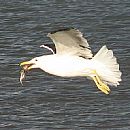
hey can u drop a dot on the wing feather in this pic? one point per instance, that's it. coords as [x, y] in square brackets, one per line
[70, 41]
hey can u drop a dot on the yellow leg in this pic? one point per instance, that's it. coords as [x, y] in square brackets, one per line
[101, 86]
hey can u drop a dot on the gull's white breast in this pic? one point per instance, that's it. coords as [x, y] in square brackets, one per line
[65, 65]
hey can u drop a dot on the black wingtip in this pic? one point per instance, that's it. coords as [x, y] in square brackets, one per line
[62, 29]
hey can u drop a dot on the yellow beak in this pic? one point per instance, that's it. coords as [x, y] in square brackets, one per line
[25, 63]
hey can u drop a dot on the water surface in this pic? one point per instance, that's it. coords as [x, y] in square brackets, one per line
[48, 102]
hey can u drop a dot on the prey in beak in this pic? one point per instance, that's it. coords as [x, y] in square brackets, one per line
[26, 66]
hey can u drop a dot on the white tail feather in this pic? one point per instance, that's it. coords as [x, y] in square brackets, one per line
[107, 67]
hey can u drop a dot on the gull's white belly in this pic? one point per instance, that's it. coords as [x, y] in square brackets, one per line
[67, 66]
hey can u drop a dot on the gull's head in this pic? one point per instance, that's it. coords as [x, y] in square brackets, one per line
[32, 64]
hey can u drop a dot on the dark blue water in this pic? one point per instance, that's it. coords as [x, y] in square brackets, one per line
[47, 102]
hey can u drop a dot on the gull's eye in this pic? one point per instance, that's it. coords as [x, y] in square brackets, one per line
[36, 60]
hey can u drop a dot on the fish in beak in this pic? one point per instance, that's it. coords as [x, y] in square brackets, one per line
[26, 66]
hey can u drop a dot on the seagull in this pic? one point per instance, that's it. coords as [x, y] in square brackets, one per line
[72, 57]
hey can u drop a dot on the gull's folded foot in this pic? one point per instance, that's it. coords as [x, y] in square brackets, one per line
[101, 86]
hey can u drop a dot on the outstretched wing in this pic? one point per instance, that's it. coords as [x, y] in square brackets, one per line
[70, 41]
